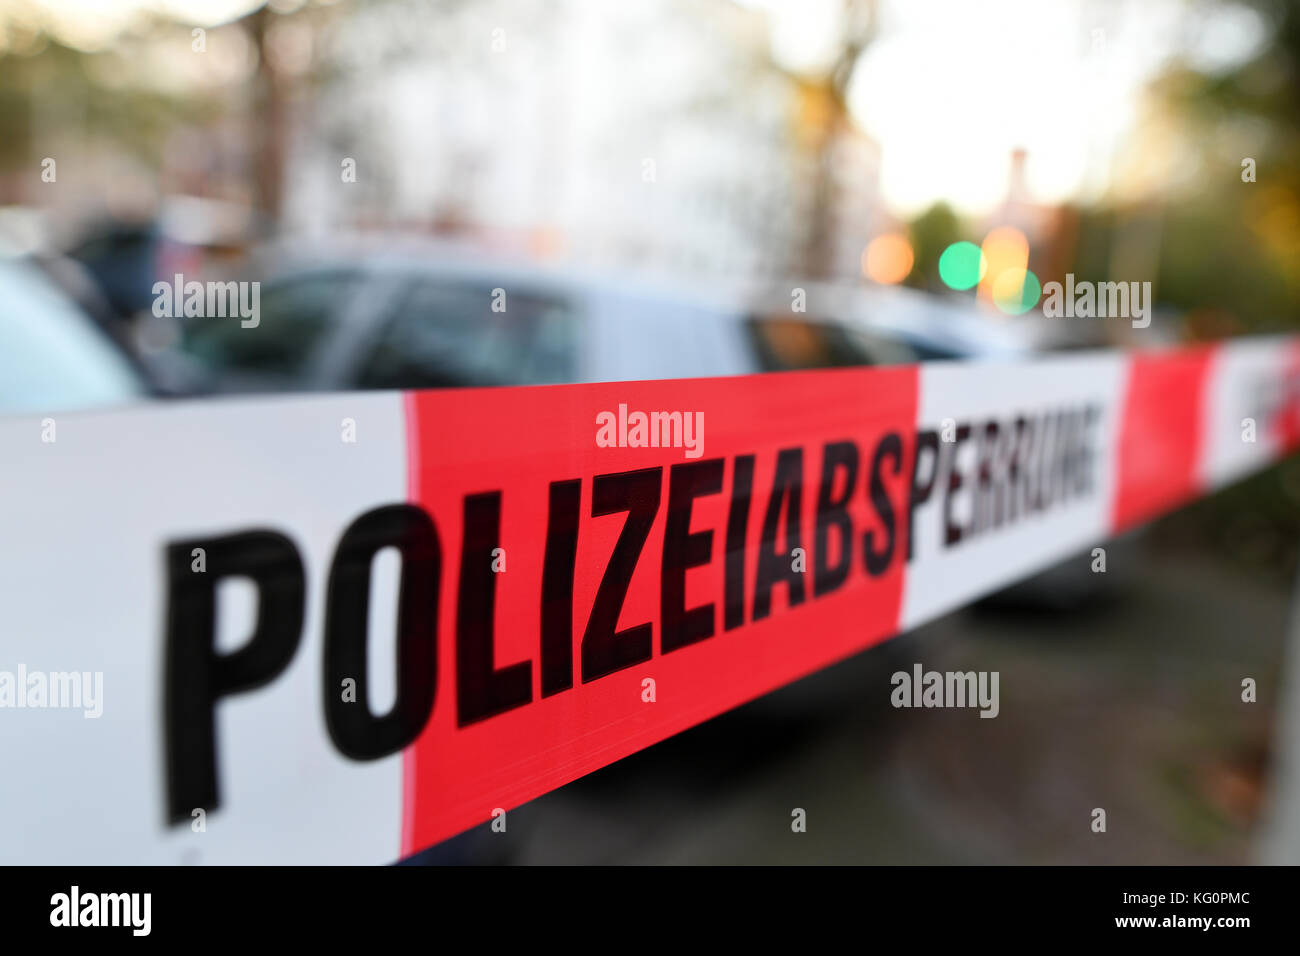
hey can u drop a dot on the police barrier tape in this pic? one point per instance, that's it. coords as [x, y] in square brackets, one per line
[545, 577]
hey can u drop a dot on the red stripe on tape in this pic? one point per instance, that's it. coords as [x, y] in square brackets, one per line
[1161, 433]
[524, 707]
[1286, 426]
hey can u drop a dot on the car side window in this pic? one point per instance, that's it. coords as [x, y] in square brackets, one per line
[934, 353]
[783, 344]
[444, 334]
[294, 314]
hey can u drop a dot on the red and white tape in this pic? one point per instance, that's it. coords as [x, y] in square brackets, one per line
[546, 577]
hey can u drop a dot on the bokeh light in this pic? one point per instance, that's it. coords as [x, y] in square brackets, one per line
[1005, 250]
[888, 259]
[1016, 291]
[962, 265]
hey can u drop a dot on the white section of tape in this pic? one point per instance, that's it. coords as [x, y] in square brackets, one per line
[941, 578]
[89, 569]
[1245, 382]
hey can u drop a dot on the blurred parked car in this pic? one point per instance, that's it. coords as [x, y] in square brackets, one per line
[399, 317]
[53, 357]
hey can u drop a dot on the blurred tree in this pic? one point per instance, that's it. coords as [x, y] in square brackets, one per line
[1234, 250]
[53, 95]
[824, 117]
[931, 232]
[1230, 256]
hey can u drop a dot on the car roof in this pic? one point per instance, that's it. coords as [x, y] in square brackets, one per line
[922, 319]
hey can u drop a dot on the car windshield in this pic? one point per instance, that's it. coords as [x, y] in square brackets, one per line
[294, 315]
[51, 357]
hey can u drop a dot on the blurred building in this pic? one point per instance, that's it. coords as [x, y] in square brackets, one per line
[656, 134]
[644, 134]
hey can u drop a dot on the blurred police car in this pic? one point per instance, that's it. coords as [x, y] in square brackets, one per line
[53, 357]
[417, 316]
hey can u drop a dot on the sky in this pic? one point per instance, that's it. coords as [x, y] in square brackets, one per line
[92, 24]
[949, 88]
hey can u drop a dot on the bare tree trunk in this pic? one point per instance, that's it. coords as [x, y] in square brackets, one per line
[819, 251]
[859, 26]
[271, 115]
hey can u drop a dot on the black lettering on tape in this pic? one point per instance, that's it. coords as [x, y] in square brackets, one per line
[890, 446]
[920, 491]
[833, 512]
[356, 732]
[483, 690]
[195, 675]
[775, 566]
[683, 549]
[952, 532]
[605, 649]
[742, 487]
[565, 499]
[986, 510]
